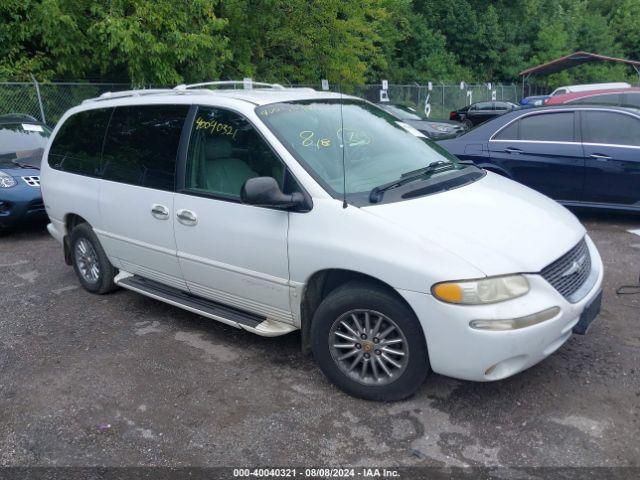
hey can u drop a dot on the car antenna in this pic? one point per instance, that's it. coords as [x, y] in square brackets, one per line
[344, 169]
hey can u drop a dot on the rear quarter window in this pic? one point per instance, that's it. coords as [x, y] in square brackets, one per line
[77, 145]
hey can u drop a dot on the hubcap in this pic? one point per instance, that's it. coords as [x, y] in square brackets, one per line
[368, 347]
[87, 261]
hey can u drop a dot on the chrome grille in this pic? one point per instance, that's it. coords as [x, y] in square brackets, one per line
[569, 272]
[32, 181]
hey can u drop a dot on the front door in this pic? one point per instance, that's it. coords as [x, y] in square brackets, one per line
[611, 142]
[541, 151]
[232, 253]
[137, 190]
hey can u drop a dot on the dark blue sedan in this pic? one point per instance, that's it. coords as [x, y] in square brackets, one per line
[580, 156]
[22, 143]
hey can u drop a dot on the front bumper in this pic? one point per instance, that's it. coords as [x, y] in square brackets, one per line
[20, 203]
[459, 351]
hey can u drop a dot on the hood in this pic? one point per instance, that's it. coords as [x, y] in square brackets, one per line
[495, 224]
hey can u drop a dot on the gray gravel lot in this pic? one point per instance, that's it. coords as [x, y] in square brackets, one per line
[125, 380]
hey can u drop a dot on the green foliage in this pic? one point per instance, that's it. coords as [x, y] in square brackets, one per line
[164, 42]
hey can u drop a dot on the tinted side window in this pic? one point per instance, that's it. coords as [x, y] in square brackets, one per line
[484, 106]
[551, 127]
[225, 151]
[77, 146]
[509, 133]
[631, 100]
[610, 128]
[610, 99]
[141, 145]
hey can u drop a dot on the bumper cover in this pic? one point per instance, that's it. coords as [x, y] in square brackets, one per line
[459, 351]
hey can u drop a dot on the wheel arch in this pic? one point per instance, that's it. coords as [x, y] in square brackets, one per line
[71, 220]
[322, 283]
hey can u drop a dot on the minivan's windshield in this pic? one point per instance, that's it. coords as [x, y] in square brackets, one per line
[379, 148]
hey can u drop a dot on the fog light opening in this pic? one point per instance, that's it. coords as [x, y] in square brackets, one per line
[515, 323]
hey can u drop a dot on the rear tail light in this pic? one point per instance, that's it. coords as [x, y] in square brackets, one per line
[453, 115]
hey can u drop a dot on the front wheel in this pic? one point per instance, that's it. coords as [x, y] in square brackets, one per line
[369, 343]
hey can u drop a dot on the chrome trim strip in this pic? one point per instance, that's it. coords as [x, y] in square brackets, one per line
[135, 242]
[234, 269]
[611, 145]
[537, 141]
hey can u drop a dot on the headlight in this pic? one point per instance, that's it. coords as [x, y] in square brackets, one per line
[6, 181]
[482, 291]
[440, 128]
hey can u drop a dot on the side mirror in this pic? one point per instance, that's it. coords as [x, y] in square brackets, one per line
[265, 192]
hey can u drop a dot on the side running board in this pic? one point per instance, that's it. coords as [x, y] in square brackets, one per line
[202, 306]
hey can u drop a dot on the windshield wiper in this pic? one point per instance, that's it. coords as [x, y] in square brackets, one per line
[23, 164]
[439, 166]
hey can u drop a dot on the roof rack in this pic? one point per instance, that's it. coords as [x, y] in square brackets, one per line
[224, 83]
[128, 93]
[195, 89]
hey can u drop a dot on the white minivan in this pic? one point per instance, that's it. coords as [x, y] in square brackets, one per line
[277, 209]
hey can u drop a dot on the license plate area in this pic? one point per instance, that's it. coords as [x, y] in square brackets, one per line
[588, 315]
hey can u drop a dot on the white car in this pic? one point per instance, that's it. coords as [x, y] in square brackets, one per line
[587, 87]
[274, 209]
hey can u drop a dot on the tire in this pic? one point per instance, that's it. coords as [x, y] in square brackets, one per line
[87, 252]
[358, 299]
[468, 124]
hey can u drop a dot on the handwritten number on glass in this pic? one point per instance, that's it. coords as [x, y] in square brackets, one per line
[307, 138]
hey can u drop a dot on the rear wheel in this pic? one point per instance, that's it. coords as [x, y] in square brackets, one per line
[90, 262]
[369, 343]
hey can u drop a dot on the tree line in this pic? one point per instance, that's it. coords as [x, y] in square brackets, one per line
[165, 42]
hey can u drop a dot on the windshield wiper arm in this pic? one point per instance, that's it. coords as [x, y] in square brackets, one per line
[439, 166]
[23, 164]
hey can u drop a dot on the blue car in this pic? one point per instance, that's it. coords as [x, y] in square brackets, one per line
[534, 101]
[22, 143]
[580, 156]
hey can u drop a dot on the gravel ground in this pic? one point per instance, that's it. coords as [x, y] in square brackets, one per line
[123, 380]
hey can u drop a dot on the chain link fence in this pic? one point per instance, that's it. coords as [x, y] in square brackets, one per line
[435, 101]
[48, 101]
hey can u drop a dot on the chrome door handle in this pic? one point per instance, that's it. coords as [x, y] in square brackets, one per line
[159, 211]
[599, 156]
[512, 150]
[187, 217]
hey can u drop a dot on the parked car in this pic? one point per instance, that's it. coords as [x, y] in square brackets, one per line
[277, 209]
[433, 129]
[480, 112]
[534, 101]
[22, 142]
[582, 156]
[621, 97]
[586, 87]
